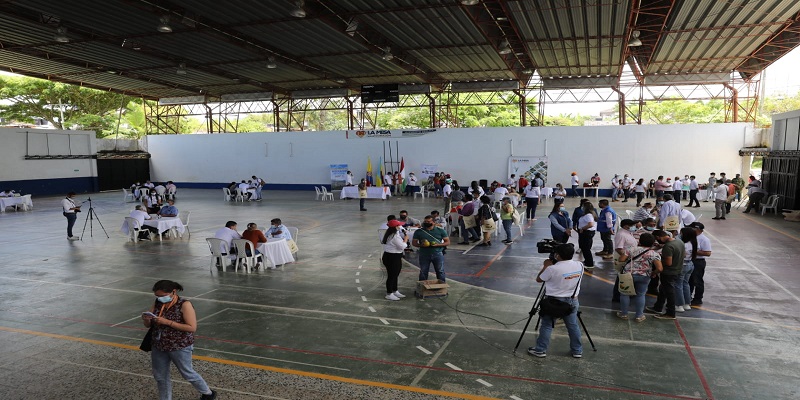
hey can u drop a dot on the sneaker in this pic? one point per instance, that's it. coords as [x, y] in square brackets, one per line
[398, 294]
[532, 351]
[577, 355]
[462, 243]
[640, 319]
[679, 308]
[211, 396]
[696, 303]
[391, 297]
[608, 257]
[664, 316]
[601, 253]
[272, 267]
[652, 310]
[588, 267]
[73, 238]
[620, 315]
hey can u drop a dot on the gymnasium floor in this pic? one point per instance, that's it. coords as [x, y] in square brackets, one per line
[320, 328]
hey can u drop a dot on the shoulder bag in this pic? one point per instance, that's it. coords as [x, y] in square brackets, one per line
[625, 286]
[556, 308]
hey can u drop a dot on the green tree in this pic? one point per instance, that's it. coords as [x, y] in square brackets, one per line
[683, 112]
[63, 105]
[566, 120]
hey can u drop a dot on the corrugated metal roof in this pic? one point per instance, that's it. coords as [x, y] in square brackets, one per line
[226, 45]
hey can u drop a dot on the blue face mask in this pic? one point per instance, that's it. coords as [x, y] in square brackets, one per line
[649, 228]
[562, 209]
[164, 299]
[660, 202]
[632, 229]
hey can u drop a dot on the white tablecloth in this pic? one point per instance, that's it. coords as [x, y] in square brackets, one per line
[373, 192]
[163, 224]
[276, 251]
[13, 201]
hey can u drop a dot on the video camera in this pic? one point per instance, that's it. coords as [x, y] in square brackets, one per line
[549, 246]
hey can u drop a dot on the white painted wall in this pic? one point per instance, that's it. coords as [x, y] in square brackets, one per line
[480, 153]
[16, 143]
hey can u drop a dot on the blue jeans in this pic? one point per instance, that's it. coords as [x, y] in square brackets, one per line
[683, 294]
[425, 260]
[571, 321]
[258, 192]
[507, 227]
[640, 283]
[183, 361]
[614, 193]
[71, 218]
[467, 234]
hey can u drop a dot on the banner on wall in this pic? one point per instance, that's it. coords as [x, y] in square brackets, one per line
[528, 167]
[427, 170]
[386, 133]
[338, 176]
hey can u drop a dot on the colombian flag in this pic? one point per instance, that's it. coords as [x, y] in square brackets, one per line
[379, 178]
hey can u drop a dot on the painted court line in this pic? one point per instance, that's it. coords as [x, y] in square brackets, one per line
[424, 350]
[360, 289]
[358, 273]
[694, 362]
[453, 367]
[401, 335]
[358, 280]
[385, 322]
[514, 397]
[363, 261]
[484, 383]
[363, 298]
[371, 309]
[360, 266]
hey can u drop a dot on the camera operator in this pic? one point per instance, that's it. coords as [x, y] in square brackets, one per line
[70, 209]
[561, 277]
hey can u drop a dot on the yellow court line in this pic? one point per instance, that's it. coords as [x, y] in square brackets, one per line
[263, 367]
[772, 228]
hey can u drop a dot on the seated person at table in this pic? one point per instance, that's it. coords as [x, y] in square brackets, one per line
[158, 188]
[438, 220]
[7, 193]
[140, 215]
[385, 225]
[149, 185]
[408, 221]
[228, 233]
[152, 202]
[171, 188]
[244, 189]
[255, 236]
[277, 230]
[169, 210]
[500, 192]
[232, 187]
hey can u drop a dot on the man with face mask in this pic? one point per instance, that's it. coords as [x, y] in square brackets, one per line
[648, 226]
[431, 240]
[720, 195]
[694, 188]
[644, 212]
[626, 187]
[670, 208]
[672, 255]
[623, 240]
[277, 230]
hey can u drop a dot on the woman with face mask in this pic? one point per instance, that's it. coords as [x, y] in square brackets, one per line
[174, 321]
[560, 223]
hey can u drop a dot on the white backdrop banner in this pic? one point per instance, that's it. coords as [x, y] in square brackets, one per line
[387, 133]
[338, 175]
[426, 170]
[527, 167]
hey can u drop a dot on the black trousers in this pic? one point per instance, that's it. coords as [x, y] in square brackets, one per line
[393, 263]
[530, 210]
[585, 240]
[696, 284]
[608, 244]
[666, 294]
[755, 201]
[639, 197]
[693, 198]
[361, 203]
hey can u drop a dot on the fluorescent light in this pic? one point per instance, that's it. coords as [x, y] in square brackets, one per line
[271, 63]
[470, 2]
[298, 11]
[387, 54]
[163, 26]
[61, 35]
[505, 48]
[181, 69]
[635, 41]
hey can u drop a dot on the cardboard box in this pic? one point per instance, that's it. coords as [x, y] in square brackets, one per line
[431, 289]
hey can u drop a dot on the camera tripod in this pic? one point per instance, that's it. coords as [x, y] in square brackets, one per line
[534, 310]
[91, 215]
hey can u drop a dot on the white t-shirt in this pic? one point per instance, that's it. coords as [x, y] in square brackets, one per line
[140, 216]
[721, 192]
[561, 278]
[574, 181]
[687, 217]
[559, 193]
[532, 191]
[244, 187]
[395, 244]
[585, 220]
[501, 191]
[387, 180]
[349, 179]
[476, 195]
[412, 180]
[447, 189]
[703, 244]
[227, 234]
[511, 182]
[66, 204]
[615, 183]
[639, 188]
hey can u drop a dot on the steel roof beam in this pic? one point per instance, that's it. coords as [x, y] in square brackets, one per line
[494, 21]
[780, 43]
[651, 21]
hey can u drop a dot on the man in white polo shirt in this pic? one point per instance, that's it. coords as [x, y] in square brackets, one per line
[70, 209]
[228, 233]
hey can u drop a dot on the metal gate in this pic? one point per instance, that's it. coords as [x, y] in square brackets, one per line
[779, 176]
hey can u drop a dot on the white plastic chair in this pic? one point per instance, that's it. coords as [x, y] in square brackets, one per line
[326, 194]
[239, 195]
[133, 228]
[319, 193]
[422, 192]
[26, 204]
[184, 217]
[630, 214]
[160, 191]
[171, 194]
[772, 203]
[144, 192]
[219, 251]
[294, 231]
[242, 259]
[226, 193]
[126, 195]
[453, 225]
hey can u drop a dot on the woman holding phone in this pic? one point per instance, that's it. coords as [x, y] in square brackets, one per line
[174, 322]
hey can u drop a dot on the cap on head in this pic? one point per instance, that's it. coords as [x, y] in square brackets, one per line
[394, 223]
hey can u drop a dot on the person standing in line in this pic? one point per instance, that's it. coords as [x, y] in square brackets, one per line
[627, 182]
[694, 188]
[720, 197]
[431, 241]
[640, 190]
[644, 261]
[394, 244]
[606, 222]
[677, 189]
[173, 339]
[562, 280]
[70, 209]
[622, 240]
[685, 183]
[587, 226]
[710, 188]
[532, 192]
[362, 194]
[696, 282]
[575, 182]
[507, 218]
[615, 188]
[560, 223]
[672, 255]
[683, 293]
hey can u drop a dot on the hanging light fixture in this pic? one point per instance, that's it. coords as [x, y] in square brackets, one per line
[271, 64]
[635, 41]
[181, 69]
[387, 54]
[163, 25]
[61, 35]
[470, 2]
[352, 27]
[298, 11]
[505, 48]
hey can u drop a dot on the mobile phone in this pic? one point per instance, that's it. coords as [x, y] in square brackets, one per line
[149, 314]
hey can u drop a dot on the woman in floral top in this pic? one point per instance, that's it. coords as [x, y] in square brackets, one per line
[644, 261]
[173, 338]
